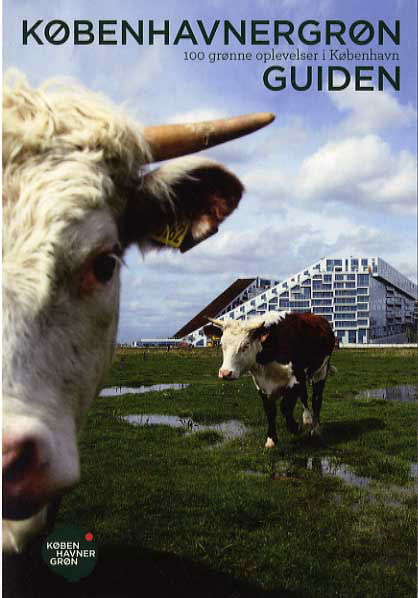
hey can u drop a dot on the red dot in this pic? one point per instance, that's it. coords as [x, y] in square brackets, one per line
[89, 536]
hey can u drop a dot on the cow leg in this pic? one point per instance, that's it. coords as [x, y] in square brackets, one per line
[270, 409]
[287, 406]
[303, 395]
[318, 384]
[318, 389]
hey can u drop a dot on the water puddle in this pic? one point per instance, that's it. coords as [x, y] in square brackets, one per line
[116, 391]
[406, 393]
[329, 466]
[325, 466]
[229, 429]
[320, 465]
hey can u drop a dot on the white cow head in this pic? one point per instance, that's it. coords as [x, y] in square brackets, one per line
[76, 193]
[241, 341]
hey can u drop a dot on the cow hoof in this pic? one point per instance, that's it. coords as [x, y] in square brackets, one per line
[307, 418]
[270, 443]
[316, 431]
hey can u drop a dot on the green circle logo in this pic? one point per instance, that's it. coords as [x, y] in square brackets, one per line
[70, 552]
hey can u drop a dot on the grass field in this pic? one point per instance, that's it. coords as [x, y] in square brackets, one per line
[178, 514]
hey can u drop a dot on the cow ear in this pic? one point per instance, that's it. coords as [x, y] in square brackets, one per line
[262, 333]
[180, 204]
[212, 331]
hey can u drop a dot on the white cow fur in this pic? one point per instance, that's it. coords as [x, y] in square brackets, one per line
[61, 151]
[240, 351]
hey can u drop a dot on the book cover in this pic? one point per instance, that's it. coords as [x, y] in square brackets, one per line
[287, 181]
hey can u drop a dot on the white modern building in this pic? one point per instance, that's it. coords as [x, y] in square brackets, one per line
[365, 299]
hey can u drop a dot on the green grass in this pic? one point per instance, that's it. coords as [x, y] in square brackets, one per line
[186, 515]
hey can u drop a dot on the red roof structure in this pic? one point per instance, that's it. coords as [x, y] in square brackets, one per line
[215, 307]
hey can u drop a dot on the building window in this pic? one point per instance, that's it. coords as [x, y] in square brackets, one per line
[362, 335]
[352, 336]
[363, 279]
[299, 304]
[344, 308]
[322, 310]
[318, 284]
[362, 306]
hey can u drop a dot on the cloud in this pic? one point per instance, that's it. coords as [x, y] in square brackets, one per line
[351, 171]
[201, 113]
[360, 170]
[372, 111]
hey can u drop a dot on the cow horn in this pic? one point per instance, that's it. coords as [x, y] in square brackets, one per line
[219, 323]
[171, 141]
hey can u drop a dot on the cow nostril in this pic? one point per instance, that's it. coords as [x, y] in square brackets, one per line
[20, 460]
[225, 373]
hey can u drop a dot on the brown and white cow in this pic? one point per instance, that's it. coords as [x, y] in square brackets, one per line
[281, 351]
[76, 193]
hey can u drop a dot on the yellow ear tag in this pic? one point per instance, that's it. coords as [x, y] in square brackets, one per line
[172, 236]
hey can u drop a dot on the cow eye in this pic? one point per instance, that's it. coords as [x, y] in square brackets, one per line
[99, 271]
[245, 346]
[104, 266]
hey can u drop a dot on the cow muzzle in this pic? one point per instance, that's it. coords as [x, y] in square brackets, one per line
[34, 472]
[25, 477]
[226, 374]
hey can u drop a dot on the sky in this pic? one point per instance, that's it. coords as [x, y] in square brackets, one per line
[334, 175]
